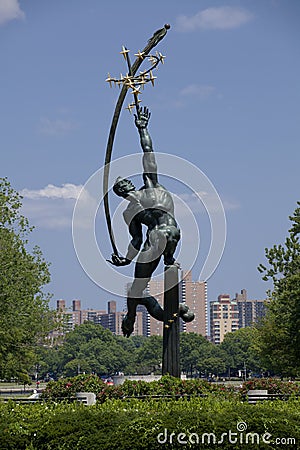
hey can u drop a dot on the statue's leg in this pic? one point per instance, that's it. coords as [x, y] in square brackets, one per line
[153, 307]
[173, 236]
[135, 296]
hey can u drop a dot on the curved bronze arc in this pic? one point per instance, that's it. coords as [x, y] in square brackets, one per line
[153, 41]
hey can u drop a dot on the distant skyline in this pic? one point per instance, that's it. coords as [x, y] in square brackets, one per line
[226, 100]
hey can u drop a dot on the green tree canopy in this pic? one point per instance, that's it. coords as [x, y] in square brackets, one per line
[90, 348]
[279, 334]
[148, 357]
[194, 349]
[24, 312]
[240, 350]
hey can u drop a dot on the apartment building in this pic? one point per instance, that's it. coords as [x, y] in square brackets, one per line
[250, 311]
[194, 294]
[110, 319]
[224, 318]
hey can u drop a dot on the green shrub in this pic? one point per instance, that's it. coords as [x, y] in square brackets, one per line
[67, 387]
[133, 424]
[166, 386]
[273, 385]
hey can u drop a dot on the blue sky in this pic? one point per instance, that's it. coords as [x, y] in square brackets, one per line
[227, 100]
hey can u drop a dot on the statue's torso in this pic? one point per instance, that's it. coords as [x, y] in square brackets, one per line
[151, 206]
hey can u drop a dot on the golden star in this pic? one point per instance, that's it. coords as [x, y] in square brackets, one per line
[127, 80]
[142, 77]
[161, 57]
[139, 54]
[124, 51]
[142, 81]
[109, 79]
[153, 60]
[152, 77]
[135, 90]
[130, 107]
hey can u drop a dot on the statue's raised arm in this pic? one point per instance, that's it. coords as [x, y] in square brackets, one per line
[149, 162]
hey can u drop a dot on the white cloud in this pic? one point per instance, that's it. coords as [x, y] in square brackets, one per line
[66, 191]
[10, 10]
[197, 90]
[52, 206]
[220, 18]
[48, 213]
[56, 127]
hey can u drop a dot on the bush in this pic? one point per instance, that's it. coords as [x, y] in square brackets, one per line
[134, 424]
[273, 385]
[166, 386]
[67, 387]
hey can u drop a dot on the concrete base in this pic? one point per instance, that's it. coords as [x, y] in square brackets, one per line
[171, 362]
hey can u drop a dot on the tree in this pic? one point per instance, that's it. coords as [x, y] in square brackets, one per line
[90, 348]
[24, 307]
[194, 348]
[213, 365]
[240, 350]
[215, 361]
[149, 355]
[279, 334]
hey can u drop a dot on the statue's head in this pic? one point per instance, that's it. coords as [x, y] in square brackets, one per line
[122, 187]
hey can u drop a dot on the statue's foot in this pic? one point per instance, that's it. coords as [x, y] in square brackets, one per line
[171, 262]
[127, 325]
[185, 313]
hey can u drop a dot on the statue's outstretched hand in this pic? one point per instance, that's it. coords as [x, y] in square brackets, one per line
[118, 260]
[142, 117]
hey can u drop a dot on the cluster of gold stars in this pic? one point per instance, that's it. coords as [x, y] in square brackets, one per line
[170, 321]
[137, 82]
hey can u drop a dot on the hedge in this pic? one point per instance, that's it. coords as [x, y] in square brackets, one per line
[166, 386]
[152, 424]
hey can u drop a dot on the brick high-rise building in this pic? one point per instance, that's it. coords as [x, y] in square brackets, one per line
[65, 315]
[112, 307]
[250, 311]
[61, 305]
[145, 319]
[224, 318]
[194, 294]
[76, 313]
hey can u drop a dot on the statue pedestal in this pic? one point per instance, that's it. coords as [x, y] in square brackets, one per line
[171, 361]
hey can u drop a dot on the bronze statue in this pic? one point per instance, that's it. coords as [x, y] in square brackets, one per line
[152, 206]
